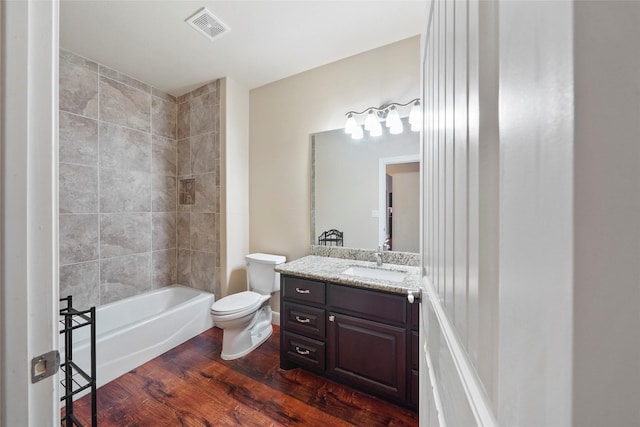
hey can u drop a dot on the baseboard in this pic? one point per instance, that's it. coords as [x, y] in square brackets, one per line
[275, 318]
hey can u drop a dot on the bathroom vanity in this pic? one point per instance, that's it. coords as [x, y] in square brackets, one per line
[356, 328]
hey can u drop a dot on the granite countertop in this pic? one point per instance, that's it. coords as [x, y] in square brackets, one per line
[330, 269]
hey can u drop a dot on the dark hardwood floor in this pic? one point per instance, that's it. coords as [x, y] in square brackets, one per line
[191, 385]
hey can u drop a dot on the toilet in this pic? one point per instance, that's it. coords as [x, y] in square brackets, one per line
[245, 317]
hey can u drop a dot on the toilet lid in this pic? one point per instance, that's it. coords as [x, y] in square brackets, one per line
[235, 303]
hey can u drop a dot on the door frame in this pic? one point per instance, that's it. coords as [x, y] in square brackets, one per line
[29, 49]
[382, 189]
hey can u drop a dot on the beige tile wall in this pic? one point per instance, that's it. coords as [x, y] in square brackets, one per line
[118, 183]
[198, 224]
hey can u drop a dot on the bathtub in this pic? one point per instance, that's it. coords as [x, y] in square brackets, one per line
[134, 330]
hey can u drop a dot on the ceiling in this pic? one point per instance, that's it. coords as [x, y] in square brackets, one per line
[269, 40]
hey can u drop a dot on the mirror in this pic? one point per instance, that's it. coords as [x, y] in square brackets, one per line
[366, 189]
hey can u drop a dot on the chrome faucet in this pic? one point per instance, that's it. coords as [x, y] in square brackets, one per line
[379, 256]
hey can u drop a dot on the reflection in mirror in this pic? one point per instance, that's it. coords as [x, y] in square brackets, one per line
[367, 189]
[400, 179]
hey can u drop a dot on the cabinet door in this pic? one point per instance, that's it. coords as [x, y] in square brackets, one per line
[369, 354]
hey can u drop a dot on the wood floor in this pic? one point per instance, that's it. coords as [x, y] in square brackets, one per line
[192, 386]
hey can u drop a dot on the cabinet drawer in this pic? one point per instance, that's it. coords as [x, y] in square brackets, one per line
[303, 290]
[374, 305]
[304, 319]
[305, 351]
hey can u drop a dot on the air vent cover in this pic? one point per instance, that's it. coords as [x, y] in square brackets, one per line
[207, 24]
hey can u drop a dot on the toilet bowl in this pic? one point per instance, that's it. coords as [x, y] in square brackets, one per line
[245, 317]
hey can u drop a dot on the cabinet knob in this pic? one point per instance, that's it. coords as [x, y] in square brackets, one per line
[413, 296]
[302, 291]
[332, 318]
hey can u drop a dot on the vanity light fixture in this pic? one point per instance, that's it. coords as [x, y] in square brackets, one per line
[414, 116]
[387, 113]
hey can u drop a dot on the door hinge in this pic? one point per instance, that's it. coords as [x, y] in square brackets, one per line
[44, 366]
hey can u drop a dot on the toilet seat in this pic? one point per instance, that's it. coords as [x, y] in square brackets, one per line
[238, 304]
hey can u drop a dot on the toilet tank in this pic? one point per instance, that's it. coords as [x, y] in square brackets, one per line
[261, 276]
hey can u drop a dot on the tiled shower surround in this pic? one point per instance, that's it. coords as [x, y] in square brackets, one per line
[198, 134]
[123, 145]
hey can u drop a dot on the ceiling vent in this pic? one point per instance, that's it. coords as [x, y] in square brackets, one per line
[207, 24]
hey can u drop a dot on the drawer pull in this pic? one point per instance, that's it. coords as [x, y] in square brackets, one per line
[302, 352]
[302, 319]
[302, 291]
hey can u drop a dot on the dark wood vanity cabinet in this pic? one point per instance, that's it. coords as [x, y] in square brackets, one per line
[357, 336]
[303, 324]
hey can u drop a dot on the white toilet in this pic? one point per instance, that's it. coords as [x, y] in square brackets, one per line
[245, 317]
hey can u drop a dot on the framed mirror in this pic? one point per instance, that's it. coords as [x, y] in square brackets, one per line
[366, 190]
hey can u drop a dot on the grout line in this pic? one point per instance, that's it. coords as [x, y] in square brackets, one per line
[150, 278]
[99, 195]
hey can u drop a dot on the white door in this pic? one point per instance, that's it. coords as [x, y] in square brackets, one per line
[29, 176]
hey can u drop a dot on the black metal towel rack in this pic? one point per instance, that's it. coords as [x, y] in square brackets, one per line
[331, 237]
[74, 378]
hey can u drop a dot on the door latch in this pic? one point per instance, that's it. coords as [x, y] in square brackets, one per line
[44, 366]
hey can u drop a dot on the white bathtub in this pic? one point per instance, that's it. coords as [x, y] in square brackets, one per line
[134, 330]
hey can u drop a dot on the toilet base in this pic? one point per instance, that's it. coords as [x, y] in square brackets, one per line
[238, 343]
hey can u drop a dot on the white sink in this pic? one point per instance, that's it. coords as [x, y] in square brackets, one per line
[375, 273]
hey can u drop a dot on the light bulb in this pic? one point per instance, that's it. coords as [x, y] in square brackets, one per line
[376, 130]
[393, 119]
[351, 124]
[371, 121]
[414, 116]
[357, 132]
[396, 128]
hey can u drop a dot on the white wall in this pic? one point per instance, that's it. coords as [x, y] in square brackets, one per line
[606, 341]
[286, 112]
[536, 213]
[234, 176]
[498, 209]
[460, 310]
[568, 213]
